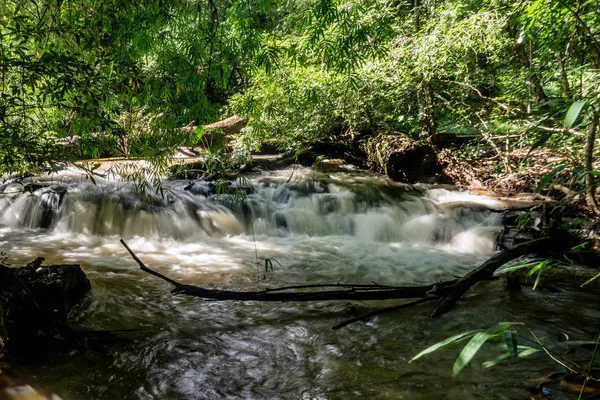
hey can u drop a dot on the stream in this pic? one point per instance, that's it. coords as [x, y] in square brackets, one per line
[344, 227]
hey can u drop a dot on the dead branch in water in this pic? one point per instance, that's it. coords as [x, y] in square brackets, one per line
[449, 291]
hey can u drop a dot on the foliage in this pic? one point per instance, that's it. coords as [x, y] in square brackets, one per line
[88, 79]
[478, 338]
[507, 336]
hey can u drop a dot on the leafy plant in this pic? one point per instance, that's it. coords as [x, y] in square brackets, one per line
[508, 336]
[496, 333]
[536, 267]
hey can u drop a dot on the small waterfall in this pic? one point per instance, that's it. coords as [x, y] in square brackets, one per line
[28, 207]
[367, 211]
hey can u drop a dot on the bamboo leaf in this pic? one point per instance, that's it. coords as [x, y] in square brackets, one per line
[469, 351]
[546, 179]
[444, 343]
[539, 275]
[496, 360]
[536, 268]
[573, 113]
[510, 340]
[517, 267]
[527, 351]
[523, 351]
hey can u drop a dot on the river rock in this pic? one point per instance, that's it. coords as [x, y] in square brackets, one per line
[58, 288]
[34, 303]
[402, 158]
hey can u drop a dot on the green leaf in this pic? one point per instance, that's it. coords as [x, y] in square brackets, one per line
[574, 112]
[527, 352]
[536, 268]
[523, 351]
[517, 267]
[469, 351]
[510, 340]
[268, 265]
[546, 179]
[444, 343]
[540, 270]
[496, 360]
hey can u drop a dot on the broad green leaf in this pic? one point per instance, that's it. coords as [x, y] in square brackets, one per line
[574, 112]
[469, 351]
[444, 343]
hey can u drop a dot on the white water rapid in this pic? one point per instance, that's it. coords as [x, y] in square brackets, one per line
[314, 228]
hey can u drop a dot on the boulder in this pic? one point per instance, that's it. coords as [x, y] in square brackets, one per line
[401, 158]
[34, 303]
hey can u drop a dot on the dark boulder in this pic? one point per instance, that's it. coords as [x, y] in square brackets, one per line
[57, 288]
[34, 303]
[402, 158]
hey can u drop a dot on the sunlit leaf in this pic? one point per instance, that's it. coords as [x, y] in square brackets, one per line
[469, 351]
[574, 112]
[444, 343]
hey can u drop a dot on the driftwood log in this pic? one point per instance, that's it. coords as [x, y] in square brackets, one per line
[449, 292]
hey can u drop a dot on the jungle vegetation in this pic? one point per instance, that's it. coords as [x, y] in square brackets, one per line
[94, 78]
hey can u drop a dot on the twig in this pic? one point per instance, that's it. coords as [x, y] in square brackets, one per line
[148, 270]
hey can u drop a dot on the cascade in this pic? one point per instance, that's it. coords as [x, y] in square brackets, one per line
[342, 227]
[368, 211]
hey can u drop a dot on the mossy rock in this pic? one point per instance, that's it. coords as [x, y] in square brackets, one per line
[401, 158]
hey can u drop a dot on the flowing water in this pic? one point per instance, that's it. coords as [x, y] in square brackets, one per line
[312, 228]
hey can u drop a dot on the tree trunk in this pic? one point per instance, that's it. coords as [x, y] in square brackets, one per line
[565, 79]
[590, 180]
[427, 122]
[540, 95]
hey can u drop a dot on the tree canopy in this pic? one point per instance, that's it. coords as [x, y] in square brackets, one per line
[85, 79]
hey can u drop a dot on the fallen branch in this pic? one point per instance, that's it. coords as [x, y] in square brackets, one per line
[381, 311]
[450, 290]
[346, 292]
[487, 269]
